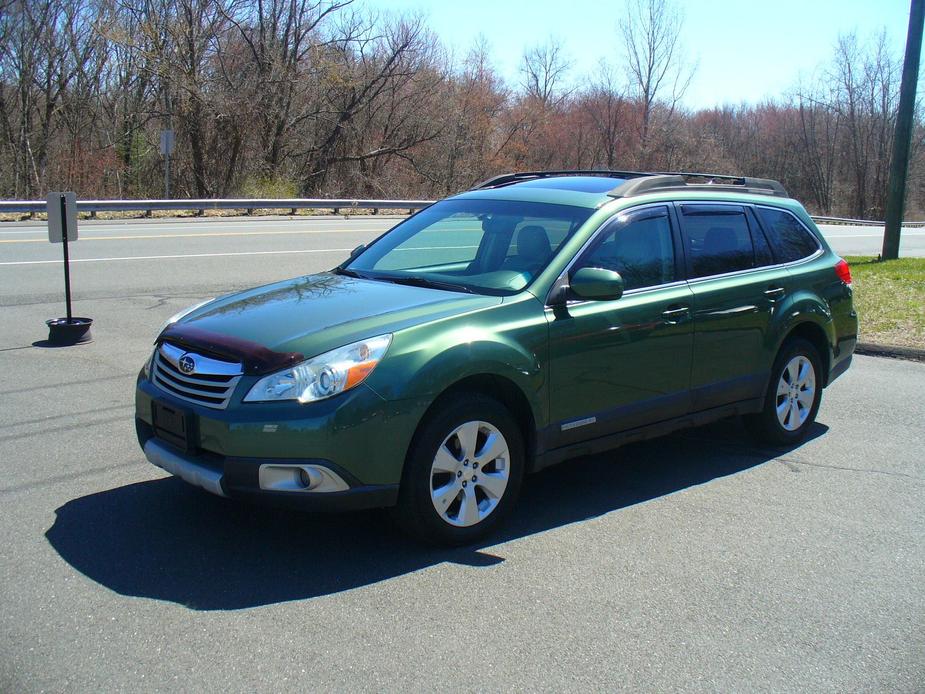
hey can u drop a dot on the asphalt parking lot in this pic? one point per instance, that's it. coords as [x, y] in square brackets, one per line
[696, 562]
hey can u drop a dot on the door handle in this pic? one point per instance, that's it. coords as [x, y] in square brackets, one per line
[674, 314]
[775, 292]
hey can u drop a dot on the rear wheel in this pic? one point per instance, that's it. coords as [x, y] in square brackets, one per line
[463, 472]
[793, 396]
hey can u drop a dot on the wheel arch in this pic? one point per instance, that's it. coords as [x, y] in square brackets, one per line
[499, 388]
[816, 335]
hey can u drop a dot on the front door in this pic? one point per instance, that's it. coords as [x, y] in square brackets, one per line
[616, 365]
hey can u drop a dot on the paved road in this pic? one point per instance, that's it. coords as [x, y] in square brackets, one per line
[699, 561]
[847, 240]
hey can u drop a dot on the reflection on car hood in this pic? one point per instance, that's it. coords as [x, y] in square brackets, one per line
[316, 313]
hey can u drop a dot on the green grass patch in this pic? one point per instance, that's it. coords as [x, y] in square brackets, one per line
[889, 296]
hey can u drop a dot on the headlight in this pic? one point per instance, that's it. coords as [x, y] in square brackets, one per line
[322, 376]
[180, 314]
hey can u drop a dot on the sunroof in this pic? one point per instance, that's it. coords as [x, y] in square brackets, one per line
[584, 184]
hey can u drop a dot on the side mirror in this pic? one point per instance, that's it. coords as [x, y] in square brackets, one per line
[596, 284]
[356, 251]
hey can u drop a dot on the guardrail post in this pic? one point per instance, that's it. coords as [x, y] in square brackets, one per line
[147, 213]
[249, 211]
[200, 212]
[336, 210]
[375, 210]
[292, 211]
[92, 214]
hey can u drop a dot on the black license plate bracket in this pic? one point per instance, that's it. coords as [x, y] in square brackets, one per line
[174, 425]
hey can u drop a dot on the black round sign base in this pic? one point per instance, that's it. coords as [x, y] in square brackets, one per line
[75, 331]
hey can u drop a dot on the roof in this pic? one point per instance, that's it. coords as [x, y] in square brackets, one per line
[594, 188]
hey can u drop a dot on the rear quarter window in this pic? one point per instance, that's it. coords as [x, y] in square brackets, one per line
[788, 237]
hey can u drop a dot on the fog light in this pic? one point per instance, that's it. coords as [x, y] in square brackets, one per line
[307, 480]
[286, 477]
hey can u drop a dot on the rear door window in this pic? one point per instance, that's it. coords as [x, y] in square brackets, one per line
[789, 238]
[717, 239]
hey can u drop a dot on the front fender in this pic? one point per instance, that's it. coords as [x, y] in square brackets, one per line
[507, 341]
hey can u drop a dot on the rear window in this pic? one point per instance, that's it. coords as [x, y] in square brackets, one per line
[789, 238]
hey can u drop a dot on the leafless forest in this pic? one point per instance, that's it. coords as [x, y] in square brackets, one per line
[283, 98]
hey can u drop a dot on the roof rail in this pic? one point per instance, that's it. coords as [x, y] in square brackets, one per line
[650, 181]
[715, 183]
[514, 177]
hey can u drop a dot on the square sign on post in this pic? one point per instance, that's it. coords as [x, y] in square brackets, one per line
[168, 140]
[62, 228]
[58, 223]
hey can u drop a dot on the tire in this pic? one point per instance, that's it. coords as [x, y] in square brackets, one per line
[445, 467]
[798, 401]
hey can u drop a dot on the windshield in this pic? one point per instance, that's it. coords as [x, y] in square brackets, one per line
[483, 246]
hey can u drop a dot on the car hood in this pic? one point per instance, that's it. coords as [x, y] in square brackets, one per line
[306, 316]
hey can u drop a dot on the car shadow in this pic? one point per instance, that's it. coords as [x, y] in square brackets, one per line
[166, 540]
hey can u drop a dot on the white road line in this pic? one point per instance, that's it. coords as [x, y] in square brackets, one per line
[161, 257]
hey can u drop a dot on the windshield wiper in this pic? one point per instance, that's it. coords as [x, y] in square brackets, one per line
[413, 281]
[349, 273]
[410, 280]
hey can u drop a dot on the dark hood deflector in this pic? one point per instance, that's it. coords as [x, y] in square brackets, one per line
[256, 358]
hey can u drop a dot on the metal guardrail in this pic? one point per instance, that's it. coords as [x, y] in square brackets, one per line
[859, 222]
[201, 205]
[31, 207]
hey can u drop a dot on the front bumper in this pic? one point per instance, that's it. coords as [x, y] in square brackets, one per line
[239, 478]
[357, 440]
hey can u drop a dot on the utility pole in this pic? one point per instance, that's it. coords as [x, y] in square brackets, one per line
[899, 167]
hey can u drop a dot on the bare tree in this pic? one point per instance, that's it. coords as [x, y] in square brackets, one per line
[543, 71]
[659, 71]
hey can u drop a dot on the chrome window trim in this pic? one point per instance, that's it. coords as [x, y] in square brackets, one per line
[629, 292]
[762, 268]
[820, 250]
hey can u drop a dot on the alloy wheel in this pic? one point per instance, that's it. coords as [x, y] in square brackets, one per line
[469, 473]
[796, 392]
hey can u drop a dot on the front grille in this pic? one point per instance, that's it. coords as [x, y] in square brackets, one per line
[210, 383]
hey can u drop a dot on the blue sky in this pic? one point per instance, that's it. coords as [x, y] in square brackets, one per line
[746, 50]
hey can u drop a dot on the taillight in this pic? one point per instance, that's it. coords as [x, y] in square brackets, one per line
[843, 270]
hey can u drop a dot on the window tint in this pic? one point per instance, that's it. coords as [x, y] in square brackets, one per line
[641, 251]
[763, 255]
[790, 239]
[717, 243]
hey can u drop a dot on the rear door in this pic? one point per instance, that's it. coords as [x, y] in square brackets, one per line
[736, 291]
[616, 365]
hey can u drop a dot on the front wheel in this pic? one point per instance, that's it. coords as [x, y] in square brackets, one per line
[463, 472]
[793, 396]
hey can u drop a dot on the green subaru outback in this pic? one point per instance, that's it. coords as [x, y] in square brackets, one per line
[538, 317]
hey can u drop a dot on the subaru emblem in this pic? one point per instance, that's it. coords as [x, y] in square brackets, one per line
[187, 364]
